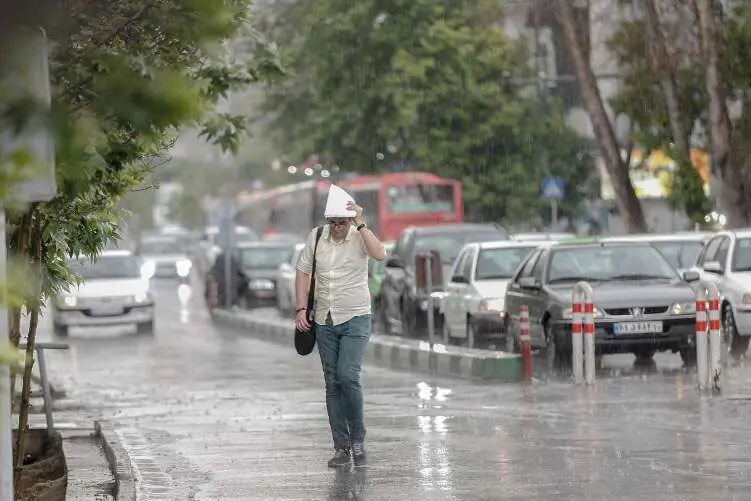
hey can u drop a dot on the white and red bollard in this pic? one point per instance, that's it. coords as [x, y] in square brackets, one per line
[709, 348]
[583, 334]
[525, 342]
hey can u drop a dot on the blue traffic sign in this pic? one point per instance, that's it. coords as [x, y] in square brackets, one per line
[553, 188]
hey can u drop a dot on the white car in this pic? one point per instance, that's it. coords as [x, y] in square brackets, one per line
[726, 262]
[164, 258]
[115, 290]
[474, 297]
[285, 283]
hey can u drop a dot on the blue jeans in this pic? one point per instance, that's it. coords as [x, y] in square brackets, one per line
[342, 348]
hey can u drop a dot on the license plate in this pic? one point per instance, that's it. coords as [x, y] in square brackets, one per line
[104, 311]
[653, 327]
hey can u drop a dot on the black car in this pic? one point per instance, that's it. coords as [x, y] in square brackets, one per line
[401, 308]
[259, 263]
[641, 303]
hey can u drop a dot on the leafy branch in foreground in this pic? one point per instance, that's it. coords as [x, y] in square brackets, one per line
[126, 77]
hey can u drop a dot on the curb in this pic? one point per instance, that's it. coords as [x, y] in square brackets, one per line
[118, 461]
[397, 353]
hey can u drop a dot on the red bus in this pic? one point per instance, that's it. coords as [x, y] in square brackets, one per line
[392, 202]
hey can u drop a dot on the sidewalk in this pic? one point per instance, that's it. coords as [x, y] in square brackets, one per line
[97, 464]
[89, 475]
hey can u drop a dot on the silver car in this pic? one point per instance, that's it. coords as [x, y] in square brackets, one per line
[285, 282]
[681, 249]
[726, 262]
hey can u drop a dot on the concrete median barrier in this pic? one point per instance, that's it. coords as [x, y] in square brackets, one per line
[393, 352]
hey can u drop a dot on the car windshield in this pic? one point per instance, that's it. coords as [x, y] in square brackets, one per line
[245, 237]
[264, 257]
[160, 247]
[742, 255]
[449, 245]
[107, 267]
[609, 263]
[680, 254]
[499, 264]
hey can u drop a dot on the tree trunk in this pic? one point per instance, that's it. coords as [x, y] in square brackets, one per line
[21, 250]
[34, 306]
[733, 193]
[625, 197]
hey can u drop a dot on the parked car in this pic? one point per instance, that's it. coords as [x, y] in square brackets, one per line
[541, 236]
[726, 262]
[165, 257]
[115, 290]
[402, 308]
[285, 282]
[259, 262]
[475, 293]
[641, 303]
[376, 273]
[209, 247]
[681, 249]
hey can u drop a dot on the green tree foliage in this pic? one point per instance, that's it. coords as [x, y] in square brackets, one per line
[126, 76]
[642, 99]
[381, 85]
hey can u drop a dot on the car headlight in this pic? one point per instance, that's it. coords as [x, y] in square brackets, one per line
[683, 308]
[70, 301]
[183, 267]
[148, 269]
[492, 305]
[261, 285]
[141, 297]
[568, 313]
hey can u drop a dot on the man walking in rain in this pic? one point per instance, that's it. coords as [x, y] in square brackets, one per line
[342, 316]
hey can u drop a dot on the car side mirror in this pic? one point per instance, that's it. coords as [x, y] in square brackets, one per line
[713, 267]
[529, 283]
[690, 276]
[394, 262]
[459, 279]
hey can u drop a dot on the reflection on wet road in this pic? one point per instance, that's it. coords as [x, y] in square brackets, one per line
[212, 415]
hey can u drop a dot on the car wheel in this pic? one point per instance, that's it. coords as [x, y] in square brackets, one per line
[470, 329]
[688, 356]
[408, 322]
[553, 353]
[146, 327]
[737, 344]
[511, 344]
[383, 326]
[644, 354]
[60, 330]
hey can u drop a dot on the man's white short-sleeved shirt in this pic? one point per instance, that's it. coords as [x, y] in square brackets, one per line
[341, 275]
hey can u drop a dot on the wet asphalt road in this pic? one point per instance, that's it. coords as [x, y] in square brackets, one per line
[211, 415]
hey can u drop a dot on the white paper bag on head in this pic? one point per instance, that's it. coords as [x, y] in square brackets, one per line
[336, 204]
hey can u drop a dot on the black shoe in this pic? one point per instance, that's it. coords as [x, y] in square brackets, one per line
[358, 454]
[341, 458]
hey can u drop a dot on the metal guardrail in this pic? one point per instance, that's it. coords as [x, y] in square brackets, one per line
[39, 348]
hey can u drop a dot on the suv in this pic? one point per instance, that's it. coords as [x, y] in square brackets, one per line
[401, 307]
